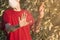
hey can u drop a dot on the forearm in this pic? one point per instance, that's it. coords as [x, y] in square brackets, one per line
[36, 25]
[38, 21]
[10, 28]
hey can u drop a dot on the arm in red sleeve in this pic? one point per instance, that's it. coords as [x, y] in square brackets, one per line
[7, 21]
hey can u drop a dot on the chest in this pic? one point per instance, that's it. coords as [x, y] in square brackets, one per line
[14, 18]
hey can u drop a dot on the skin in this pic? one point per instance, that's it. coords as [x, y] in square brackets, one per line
[22, 21]
[36, 27]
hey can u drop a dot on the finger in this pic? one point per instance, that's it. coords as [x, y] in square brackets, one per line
[42, 4]
[22, 17]
[19, 19]
[25, 15]
[41, 7]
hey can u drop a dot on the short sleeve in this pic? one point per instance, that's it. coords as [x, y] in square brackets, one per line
[6, 17]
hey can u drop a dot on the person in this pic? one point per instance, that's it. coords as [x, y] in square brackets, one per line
[17, 22]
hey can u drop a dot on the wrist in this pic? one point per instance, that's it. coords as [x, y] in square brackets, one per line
[16, 26]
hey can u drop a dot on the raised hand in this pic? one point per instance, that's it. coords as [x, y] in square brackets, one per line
[22, 20]
[38, 22]
[41, 10]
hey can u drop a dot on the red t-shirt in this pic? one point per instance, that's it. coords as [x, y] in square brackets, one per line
[23, 33]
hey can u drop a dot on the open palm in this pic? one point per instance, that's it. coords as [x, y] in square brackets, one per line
[22, 20]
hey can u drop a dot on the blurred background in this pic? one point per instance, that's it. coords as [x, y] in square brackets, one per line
[50, 26]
